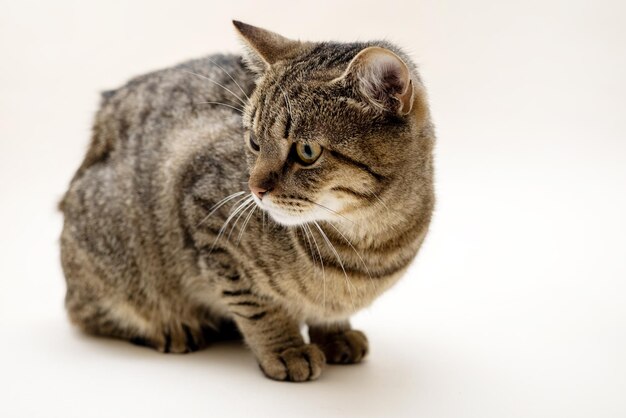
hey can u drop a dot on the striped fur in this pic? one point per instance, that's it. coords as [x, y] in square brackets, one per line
[146, 250]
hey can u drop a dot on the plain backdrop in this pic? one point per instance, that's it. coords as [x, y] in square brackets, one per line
[515, 306]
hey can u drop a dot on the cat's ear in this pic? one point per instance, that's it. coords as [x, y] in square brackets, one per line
[383, 79]
[265, 47]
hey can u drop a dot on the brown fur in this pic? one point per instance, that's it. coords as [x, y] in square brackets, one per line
[146, 248]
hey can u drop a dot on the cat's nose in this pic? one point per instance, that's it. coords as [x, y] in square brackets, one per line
[258, 191]
[262, 182]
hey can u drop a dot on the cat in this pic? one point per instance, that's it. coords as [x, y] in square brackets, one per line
[247, 196]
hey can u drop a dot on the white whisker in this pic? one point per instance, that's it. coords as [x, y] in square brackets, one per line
[355, 251]
[218, 205]
[332, 247]
[331, 211]
[379, 199]
[308, 245]
[245, 222]
[241, 213]
[308, 240]
[263, 220]
[242, 206]
[216, 83]
[321, 263]
[224, 104]
[231, 77]
[386, 207]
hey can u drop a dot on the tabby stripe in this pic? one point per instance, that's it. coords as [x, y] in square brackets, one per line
[351, 191]
[342, 57]
[275, 286]
[332, 263]
[311, 54]
[280, 340]
[204, 203]
[237, 292]
[190, 341]
[168, 342]
[254, 317]
[233, 277]
[245, 303]
[287, 126]
[258, 316]
[141, 341]
[358, 164]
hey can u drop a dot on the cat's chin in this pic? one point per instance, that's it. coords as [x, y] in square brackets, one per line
[286, 220]
[283, 218]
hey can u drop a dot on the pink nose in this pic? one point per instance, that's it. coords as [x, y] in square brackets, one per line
[258, 191]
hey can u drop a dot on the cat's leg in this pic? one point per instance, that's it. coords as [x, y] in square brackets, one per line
[194, 330]
[114, 317]
[340, 343]
[97, 313]
[274, 338]
[272, 335]
[92, 303]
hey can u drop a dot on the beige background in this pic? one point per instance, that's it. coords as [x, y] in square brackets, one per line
[516, 305]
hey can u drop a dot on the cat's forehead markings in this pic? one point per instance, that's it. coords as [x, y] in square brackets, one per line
[287, 126]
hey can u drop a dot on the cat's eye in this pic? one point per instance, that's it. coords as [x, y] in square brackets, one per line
[253, 143]
[308, 153]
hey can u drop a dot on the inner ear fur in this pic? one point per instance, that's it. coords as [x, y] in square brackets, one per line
[383, 79]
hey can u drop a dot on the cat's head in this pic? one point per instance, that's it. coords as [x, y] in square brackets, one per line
[332, 130]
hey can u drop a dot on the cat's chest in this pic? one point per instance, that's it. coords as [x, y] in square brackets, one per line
[316, 291]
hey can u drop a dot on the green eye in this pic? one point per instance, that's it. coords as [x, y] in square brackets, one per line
[308, 153]
[253, 144]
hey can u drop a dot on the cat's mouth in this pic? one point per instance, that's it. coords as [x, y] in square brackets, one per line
[290, 211]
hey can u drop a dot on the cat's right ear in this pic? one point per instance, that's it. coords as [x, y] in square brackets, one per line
[264, 47]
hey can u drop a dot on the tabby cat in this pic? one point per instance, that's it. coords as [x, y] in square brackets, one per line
[249, 196]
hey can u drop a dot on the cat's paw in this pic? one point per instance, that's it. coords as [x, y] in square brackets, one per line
[296, 364]
[347, 347]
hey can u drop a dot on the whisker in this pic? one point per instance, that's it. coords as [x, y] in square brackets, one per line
[309, 245]
[236, 213]
[242, 206]
[245, 222]
[223, 104]
[308, 240]
[332, 211]
[218, 205]
[332, 247]
[231, 77]
[379, 199]
[321, 263]
[241, 213]
[354, 249]
[215, 82]
[371, 192]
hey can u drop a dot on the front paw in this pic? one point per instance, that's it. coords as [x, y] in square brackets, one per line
[347, 347]
[296, 364]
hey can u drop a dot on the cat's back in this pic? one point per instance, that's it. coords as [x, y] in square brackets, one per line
[141, 132]
[138, 116]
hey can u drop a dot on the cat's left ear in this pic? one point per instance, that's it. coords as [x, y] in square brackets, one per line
[265, 47]
[383, 79]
